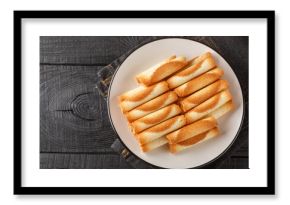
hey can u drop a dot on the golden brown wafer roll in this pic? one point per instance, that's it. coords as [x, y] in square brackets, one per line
[152, 106]
[199, 82]
[174, 148]
[208, 106]
[155, 118]
[192, 130]
[140, 95]
[161, 129]
[221, 111]
[202, 95]
[202, 57]
[154, 144]
[197, 67]
[161, 70]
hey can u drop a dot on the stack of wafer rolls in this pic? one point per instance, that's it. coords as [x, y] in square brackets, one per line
[177, 145]
[199, 82]
[192, 130]
[208, 106]
[177, 103]
[224, 109]
[155, 118]
[202, 95]
[195, 68]
[152, 106]
[155, 136]
[140, 95]
[154, 144]
[161, 70]
[161, 129]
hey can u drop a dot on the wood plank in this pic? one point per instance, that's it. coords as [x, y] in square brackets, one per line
[82, 161]
[235, 163]
[85, 50]
[114, 161]
[73, 116]
[235, 51]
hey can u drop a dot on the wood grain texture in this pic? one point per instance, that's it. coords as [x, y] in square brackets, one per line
[82, 161]
[73, 115]
[75, 131]
[85, 50]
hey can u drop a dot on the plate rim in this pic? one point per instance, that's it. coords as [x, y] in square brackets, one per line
[112, 124]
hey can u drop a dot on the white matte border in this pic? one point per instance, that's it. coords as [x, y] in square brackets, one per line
[256, 29]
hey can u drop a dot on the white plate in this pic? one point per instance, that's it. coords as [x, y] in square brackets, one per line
[124, 80]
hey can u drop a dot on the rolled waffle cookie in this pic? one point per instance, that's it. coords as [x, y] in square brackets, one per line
[221, 111]
[202, 57]
[140, 95]
[197, 67]
[174, 148]
[208, 106]
[199, 82]
[152, 106]
[191, 130]
[155, 118]
[161, 70]
[154, 144]
[161, 129]
[202, 95]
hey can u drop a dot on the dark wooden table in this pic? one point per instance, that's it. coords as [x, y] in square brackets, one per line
[74, 128]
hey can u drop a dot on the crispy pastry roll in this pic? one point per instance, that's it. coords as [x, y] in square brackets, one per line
[155, 118]
[221, 111]
[192, 130]
[202, 95]
[208, 106]
[174, 148]
[161, 70]
[151, 106]
[199, 82]
[202, 57]
[161, 129]
[197, 67]
[140, 95]
[154, 144]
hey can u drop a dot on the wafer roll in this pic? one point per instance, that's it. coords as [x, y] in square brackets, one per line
[199, 82]
[161, 129]
[191, 130]
[197, 67]
[202, 57]
[208, 106]
[174, 148]
[221, 111]
[155, 118]
[140, 95]
[202, 95]
[161, 70]
[154, 144]
[151, 106]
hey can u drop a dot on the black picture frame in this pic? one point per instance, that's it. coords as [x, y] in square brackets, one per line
[269, 189]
